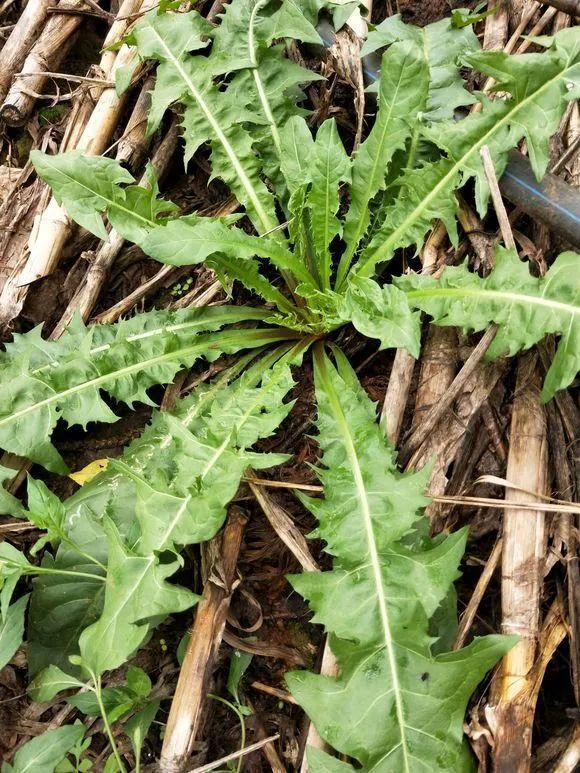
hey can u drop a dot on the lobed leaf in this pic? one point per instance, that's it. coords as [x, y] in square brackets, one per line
[443, 45]
[169, 489]
[383, 313]
[44, 381]
[525, 307]
[401, 98]
[329, 165]
[90, 185]
[395, 706]
[210, 114]
[540, 88]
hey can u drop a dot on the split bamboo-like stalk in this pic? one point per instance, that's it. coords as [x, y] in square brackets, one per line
[54, 224]
[206, 636]
[50, 224]
[22, 38]
[438, 364]
[397, 394]
[497, 27]
[133, 145]
[449, 434]
[522, 571]
[47, 54]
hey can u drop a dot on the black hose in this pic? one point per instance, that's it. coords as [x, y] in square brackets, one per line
[551, 201]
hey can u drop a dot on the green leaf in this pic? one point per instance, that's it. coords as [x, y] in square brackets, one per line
[239, 664]
[410, 215]
[297, 149]
[50, 682]
[90, 185]
[246, 23]
[402, 95]
[247, 271]
[463, 17]
[540, 86]
[442, 44]
[43, 753]
[9, 504]
[118, 702]
[43, 381]
[210, 115]
[136, 590]
[84, 185]
[525, 307]
[46, 511]
[13, 565]
[137, 727]
[383, 313]
[12, 629]
[329, 165]
[169, 489]
[138, 681]
[395, 706]
[185, 242]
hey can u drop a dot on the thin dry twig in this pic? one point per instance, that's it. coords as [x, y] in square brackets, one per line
[253, 747]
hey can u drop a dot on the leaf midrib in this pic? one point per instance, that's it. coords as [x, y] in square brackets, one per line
[373, 554]
[240, 171]
[179, 327]
[500, 295]
[110, 202]
[359, 229]
[142, 364]
[378, 255]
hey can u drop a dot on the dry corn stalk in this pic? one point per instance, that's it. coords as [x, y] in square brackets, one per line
[522, 571]
[206, 636]
[22, 38]
[51, 227]
[134, 143]
[54, 225]
[47, 55]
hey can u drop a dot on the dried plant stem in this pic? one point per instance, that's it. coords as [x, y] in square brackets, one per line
[397, 394]
[206, 636]
[295, 542]
[22, 38]
[522, 571]
[499, 206]
[431, 419]
[285, 528]
[438, 364]
[468, 616]
[235, 755]
[268, 749]
[132, 146]
[47, 54]
[54, 225]
[497, 27]
[570, 760]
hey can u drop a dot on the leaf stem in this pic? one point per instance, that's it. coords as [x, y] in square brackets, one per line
[98, 693]
[240, 716]
[31, 570]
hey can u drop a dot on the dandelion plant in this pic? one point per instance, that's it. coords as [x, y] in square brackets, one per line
[316, 229]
